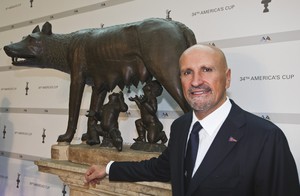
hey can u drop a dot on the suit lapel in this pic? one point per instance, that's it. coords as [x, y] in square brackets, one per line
[226, 139]
[179, 150]
[182, 145]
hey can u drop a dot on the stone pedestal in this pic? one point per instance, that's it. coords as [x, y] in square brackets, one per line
[70, 162]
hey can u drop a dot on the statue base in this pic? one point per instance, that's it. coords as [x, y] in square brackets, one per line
[145, 146]
[70, 163]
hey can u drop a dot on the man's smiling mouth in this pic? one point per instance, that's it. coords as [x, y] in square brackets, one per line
[199, 90]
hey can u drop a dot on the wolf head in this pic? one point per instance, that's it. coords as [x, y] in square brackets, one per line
[28, 51]
[41, 49]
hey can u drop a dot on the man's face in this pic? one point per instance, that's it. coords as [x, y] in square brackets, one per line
[204, 77]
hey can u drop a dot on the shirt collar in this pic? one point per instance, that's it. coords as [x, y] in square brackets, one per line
[214, 120]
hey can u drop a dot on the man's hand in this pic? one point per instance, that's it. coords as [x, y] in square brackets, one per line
[94, 174]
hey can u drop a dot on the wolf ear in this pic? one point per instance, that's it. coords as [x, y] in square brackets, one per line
[36, 29]
[47, 28]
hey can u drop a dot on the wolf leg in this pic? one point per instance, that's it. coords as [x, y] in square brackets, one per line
[75, 97]
[97, 100]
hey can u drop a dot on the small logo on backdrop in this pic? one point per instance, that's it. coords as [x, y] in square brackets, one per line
[39, 185]
[44, 135]
[214, 10]
[266, 4]
[267, 117]
[18, 180]
[26, 88]
[31, 1]
[13, 7]
[168, 14]
[3, 177]
[64, 192]
[165, 114]
[47, 87]
[128, 89]
[4, 131]
[23, 133]
[127, 113]
[266, 39]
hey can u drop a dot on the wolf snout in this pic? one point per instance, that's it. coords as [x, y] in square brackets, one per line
[7, 50]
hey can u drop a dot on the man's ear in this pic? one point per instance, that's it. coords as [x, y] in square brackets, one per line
[228, 78]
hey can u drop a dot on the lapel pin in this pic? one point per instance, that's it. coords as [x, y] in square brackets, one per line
[232, 139]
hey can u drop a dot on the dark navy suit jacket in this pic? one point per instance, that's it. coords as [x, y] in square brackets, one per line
[249, 156]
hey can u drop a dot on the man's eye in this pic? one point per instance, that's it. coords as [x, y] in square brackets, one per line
[187, 72]
[206, 69]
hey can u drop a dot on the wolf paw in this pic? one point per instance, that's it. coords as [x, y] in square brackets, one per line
[67, 137]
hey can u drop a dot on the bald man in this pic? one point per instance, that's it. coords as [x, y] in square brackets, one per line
[235, 153]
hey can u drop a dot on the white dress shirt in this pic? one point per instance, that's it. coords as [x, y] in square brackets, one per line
[211, 125]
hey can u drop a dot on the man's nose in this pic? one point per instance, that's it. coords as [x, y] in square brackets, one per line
[197, 79]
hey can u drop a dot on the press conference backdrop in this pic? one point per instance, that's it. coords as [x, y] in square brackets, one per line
[261, 42]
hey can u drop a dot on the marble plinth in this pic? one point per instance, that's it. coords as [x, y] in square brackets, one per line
[70, 162]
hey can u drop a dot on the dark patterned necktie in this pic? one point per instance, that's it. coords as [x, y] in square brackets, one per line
[191, 152]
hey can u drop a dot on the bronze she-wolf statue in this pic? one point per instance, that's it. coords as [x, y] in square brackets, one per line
[104, 58]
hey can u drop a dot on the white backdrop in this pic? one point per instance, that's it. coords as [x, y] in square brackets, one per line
[262, 48]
